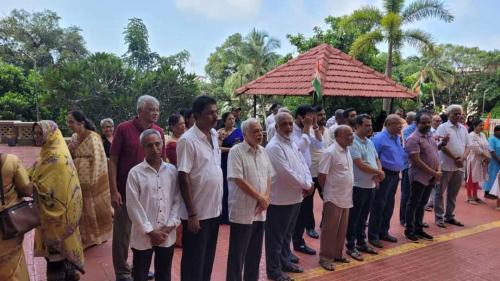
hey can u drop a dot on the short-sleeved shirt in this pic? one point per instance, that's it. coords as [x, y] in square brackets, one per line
[127, 148]
[390, 151]
[459, 140]
[364, 150]
[425, 145]
[336, 163]
[253, 166]
[200, 158]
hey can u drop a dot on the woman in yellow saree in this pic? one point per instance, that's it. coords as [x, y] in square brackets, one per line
[15, 184]
[58, 190]
[92, 167]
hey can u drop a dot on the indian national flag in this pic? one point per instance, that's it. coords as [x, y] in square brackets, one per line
[316, 83]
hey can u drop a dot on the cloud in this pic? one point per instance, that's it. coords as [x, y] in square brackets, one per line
[222, 9]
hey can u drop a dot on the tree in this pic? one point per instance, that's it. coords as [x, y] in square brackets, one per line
[387, 26]
[138, 54]
[35, 40]
[339, 34]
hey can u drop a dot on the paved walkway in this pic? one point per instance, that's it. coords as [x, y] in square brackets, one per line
[468, 253]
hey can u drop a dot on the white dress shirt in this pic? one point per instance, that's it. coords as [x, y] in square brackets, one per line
[270, 121]
[201, 161]
[459, 140]
[304, 142]
[291, 176]
[152, 201]
[317, 153]
[338, 167]
[253, 166]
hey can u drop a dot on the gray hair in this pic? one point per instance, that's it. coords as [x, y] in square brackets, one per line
[142, 100]
[107, 120]
[281, 115]
[410, 116]
[245, 126]
[453, 107]
[339, 129]
[283, 109]
[149, 132]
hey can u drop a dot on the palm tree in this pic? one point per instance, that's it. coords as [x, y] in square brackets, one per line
[434, 70]
[257, 56]
[387, 26]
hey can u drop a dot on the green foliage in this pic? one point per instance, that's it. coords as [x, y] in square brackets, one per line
[138, 54]
[35, 40]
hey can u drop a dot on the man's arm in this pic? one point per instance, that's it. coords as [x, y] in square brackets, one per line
[365, 167]
[415, 157]
[116, 198]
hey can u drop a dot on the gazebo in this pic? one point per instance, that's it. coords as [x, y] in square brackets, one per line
[338, 74]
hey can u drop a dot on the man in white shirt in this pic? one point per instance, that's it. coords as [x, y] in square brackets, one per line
[152, 200]
[339, 120]
[200, 181]
[454, 150]
[270, 122]
[336, 178]
[250, 176]
[291, 180]
[306, 136]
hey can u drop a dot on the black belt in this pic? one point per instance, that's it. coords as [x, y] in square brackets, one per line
[387, 171]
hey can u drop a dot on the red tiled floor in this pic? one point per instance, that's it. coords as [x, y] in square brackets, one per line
[474, 257]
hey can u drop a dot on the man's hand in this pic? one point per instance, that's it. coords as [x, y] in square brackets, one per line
[263, 202]
[116, 200]
[194, 224]
[307, 122]
[437, 176]
[308, 192]
[381, 175]
[459, 161]
[157, 237]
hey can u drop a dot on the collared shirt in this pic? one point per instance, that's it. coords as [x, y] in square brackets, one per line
[201, 160]
[317, 153]
[127, 148]
[270, 121]
[337, 165]
[390, 151]
[459, 140]
[153, 201]
[425, 145]
[331, 135]
[291, 176]
[253, 166]
[364, 150]
[409, 130]
[304, 142]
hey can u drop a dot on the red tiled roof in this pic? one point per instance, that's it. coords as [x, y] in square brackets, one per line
[340, 75]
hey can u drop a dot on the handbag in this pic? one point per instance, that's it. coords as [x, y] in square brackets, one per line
[20, 218]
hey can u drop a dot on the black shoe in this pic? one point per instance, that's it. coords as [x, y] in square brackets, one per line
[312, 233]
[424, 235]
[283, 277]
[389, 238]
[367, 249]
[355, 254]
[376, 243]
[454, 222]
[489, 196]
[293, 259]
[440, 224]
[305, 249]
[292, 268]
[424, 225]
[411, 236]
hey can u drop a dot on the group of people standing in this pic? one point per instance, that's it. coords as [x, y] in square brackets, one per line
[120, 185]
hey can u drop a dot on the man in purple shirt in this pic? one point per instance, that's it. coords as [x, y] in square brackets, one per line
[126, 152]
[424, 173]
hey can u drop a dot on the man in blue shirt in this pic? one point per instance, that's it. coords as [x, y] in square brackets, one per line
[391, 154]
[405, 181]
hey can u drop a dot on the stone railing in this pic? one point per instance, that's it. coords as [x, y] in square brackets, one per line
[16, 131]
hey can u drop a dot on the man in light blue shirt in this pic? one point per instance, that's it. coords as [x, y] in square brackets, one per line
[391, 154]
[367, 173]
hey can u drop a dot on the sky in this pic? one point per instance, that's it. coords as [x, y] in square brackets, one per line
[199, 26]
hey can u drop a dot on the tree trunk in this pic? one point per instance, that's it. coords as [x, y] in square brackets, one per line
[387, 102]
[434, 105]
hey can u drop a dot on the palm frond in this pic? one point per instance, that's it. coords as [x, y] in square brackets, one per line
[421, 9]
[366, 16]
[419, 39]
[365, 41]
[393, 6]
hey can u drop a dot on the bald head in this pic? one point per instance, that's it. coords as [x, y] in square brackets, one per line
[343, 135]
[394, 124]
